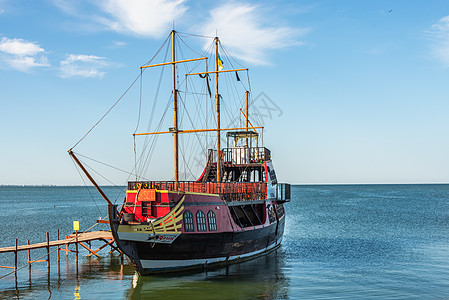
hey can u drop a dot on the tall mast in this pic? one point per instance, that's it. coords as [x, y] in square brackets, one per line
[217, 99]
[175, 110]
[247, 93]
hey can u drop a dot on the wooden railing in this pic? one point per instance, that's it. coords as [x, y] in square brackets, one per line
[229, 191]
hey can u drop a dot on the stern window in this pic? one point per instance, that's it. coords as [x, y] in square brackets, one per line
[212, 221]
[188, 221]
[201, 221]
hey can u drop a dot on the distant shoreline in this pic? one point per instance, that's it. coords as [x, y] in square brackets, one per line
[294, 184]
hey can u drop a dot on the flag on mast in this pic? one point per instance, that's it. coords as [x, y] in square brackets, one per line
[220, 62]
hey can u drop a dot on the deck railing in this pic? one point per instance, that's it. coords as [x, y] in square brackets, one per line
[229, 191]
[241, 155]
[283, 192]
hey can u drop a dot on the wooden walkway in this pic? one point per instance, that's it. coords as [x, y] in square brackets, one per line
[79, 238]
[70, 239]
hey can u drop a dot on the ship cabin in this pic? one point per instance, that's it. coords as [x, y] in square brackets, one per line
[241, 161]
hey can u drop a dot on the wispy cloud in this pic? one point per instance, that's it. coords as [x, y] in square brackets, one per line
[22, 55]
[2, 9]
[439, 33]
[79, 65]
[249, 32]
[148, 18]
[118, 44]
[141, 17]
[69, 7]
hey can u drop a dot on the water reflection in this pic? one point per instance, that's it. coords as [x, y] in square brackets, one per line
[260, 278]
[107, 278]
[85, 281]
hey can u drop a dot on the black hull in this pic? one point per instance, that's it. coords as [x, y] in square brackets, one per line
[201, 250]
[212, 245]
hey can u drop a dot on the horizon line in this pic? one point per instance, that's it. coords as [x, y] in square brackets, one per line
[294, 184]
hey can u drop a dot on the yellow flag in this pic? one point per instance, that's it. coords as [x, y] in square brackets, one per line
[220, 62]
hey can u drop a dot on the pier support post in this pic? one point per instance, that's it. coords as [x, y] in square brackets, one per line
[15, 256]
[29, 261]
[15, 261]
[76, 246]
[57, 238]
[48, 251]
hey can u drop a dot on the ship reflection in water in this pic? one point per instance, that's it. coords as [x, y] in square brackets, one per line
[107, 278]
[259, 278]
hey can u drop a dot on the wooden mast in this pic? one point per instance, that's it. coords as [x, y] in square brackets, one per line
[175, 130]
[217, 99]
[175, 112]
[246, 94]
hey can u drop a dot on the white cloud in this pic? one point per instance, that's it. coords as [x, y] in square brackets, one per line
[79, 65]
[19, 47]
[22, 55]
[440, 36]
[118, 44]
[247, 31]
[142, 17]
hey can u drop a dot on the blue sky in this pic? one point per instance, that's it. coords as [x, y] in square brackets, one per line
[359, 90]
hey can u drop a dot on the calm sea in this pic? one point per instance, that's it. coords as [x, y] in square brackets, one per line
[341, 242]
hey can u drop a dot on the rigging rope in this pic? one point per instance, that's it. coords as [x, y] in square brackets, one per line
[111, 166]
[82, 178]
[138, 123]
[120, 98]
[148, 139]
[196, 35]
[101, 119]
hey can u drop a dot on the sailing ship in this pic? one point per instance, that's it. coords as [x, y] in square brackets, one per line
[233, 211]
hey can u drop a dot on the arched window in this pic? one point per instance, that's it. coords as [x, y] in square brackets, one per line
[212, 221]
[188, 221]
[201, 221]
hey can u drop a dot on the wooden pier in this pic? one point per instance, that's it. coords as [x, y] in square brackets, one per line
[105, 236]
[79, 238]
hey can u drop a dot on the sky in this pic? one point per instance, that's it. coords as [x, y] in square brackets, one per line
[350, 92]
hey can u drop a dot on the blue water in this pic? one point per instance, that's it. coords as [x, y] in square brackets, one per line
[341, 242]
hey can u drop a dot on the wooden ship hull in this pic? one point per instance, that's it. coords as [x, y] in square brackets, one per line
[202, 223]
[197, 250]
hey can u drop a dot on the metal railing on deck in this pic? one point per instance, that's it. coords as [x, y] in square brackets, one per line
[241, 155]
[229, 191]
